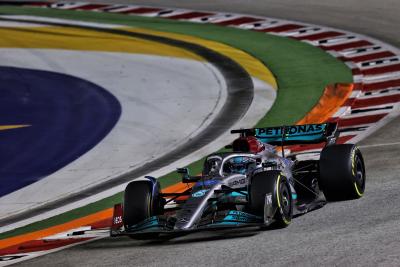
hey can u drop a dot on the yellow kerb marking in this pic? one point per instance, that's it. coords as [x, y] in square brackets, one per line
[251, 64]
[9, 127]
[80, 39]
[86, 40]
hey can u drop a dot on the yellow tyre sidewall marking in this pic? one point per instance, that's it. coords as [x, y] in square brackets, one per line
[353, 170]
[357, 190]
[279, 203]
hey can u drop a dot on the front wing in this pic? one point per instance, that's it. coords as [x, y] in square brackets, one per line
[163, 225]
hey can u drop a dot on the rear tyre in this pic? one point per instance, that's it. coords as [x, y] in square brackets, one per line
[274, 183]
[342, 172]
[140, 203]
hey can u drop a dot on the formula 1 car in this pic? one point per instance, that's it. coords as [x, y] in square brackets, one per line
[250, 186]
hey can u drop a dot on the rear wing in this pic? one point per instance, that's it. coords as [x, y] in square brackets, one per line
[294, 134]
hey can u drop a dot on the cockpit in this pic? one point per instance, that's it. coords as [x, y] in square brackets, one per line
[227, 165]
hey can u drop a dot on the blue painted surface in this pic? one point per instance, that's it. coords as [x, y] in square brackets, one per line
[206, 183]
[68, 117]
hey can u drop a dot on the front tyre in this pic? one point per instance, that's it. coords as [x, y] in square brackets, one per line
[283, 217]
[140, 203]
[274, 184]
[342, 172]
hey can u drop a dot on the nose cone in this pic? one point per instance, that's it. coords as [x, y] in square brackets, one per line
[182, 223]
[191, 211]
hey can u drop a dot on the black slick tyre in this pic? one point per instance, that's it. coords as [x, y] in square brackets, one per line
[342, 172]
[139, 202]
[274, 183]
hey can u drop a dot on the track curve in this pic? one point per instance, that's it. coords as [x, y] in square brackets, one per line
[359, 233]
[377, 19]
[240, 91]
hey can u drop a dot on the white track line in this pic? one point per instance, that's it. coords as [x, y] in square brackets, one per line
[379, 145]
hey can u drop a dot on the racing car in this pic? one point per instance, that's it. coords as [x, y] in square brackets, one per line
[254, 184]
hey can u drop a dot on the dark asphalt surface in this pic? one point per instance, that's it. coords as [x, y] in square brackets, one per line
[364, 232]
[379, 19]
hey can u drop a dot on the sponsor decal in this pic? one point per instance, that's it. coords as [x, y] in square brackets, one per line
[117, 220]
[240, 216]
[291, 130]
[268, 210]
[268, 199]
[200, 193]
[241, 181]
[117, 216]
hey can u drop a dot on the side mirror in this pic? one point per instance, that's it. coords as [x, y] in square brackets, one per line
[186, 178]
[184, 171]
[190, 179]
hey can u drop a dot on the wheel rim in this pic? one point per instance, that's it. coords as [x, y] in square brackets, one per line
[360, 177]
[286, 201]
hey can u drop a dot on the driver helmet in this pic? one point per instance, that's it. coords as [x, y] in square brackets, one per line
[238, 165]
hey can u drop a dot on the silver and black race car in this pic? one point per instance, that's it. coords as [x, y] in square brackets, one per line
[253, 185]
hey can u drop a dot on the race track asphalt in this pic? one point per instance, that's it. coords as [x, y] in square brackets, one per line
[364, 232]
